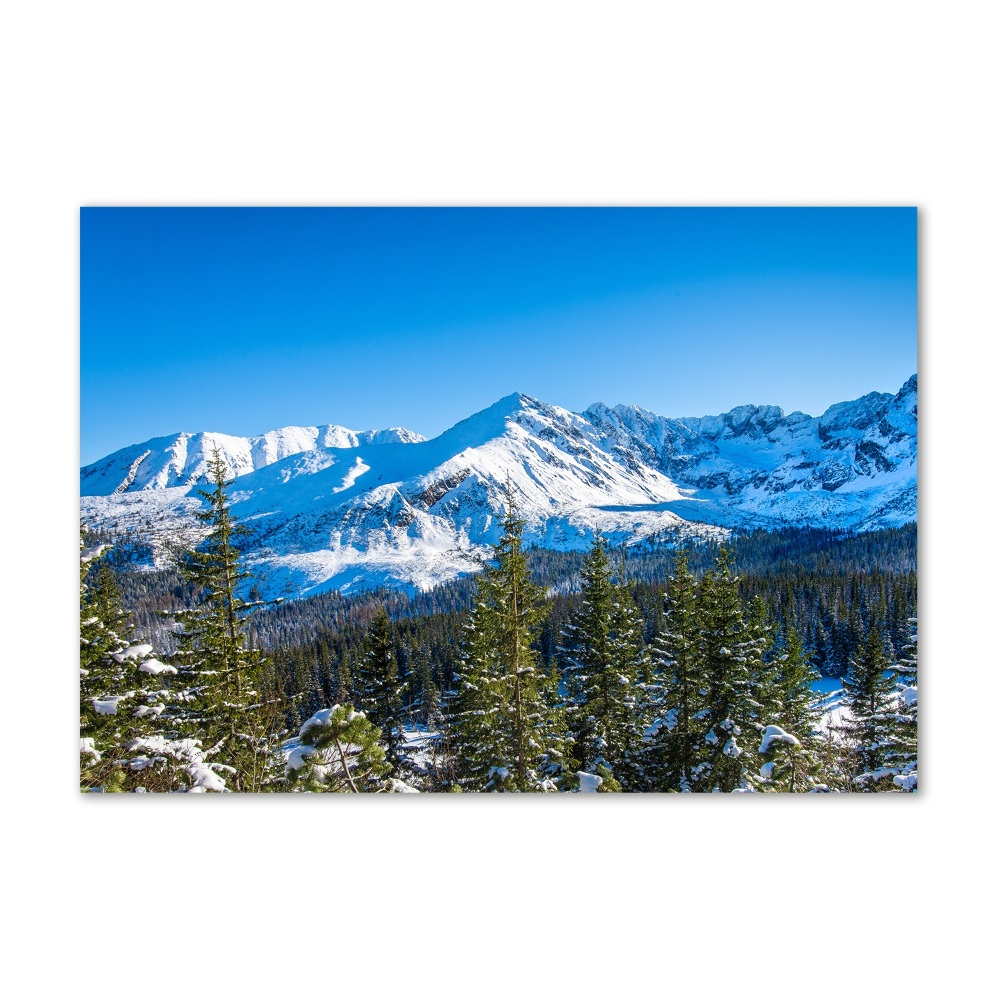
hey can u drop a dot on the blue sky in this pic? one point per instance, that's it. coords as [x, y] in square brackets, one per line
[243, 320]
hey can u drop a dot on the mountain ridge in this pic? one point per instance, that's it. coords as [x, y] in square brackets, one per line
[390, 507]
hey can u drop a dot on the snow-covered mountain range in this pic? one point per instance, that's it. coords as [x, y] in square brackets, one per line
[331, 507]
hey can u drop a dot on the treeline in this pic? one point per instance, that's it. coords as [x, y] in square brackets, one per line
[721, 698]
[832, 586]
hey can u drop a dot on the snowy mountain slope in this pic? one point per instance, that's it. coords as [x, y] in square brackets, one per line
[182, 459]
[854, 465]
[348, 509]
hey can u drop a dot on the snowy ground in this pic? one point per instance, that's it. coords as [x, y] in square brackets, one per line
[421, 748]
[832, 690]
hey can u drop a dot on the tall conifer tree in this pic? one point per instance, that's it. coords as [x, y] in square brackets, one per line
[731, 649]
[236, 707]
[587, 649]
[794, 708]
[871, 698]
[127, 702]
[903, 759]
[677, 753]
[505, 732]
[378, 685]
[631, 668]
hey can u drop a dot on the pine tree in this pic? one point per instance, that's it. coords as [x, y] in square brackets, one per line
[793, 708]
[903, 755]
[429, 707]
[127, 696]
[339, 751]
[605, 664]
[378, 686]
[631, 674]
[871, 699]
[505, 732]
[731, 649]
[235, 706]
[103, 679]
[676, 754]
[587, 653]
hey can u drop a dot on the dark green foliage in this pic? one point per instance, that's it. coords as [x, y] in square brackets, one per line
[903, 754]
[126, 743]
[233, 702]
[630, 683]
[731, 646]
[339, 752]
[506, 732]
[587, 663]
[870, 696]
[676, 740]
[811, 578]
[377, 686]
[820, 595]
[605, 661]
[793, 707]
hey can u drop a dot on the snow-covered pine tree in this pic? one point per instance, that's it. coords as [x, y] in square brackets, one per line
[902, 757]
[587, 654]
[339, 751]
[104, 680]
[793, 708]
[429, 705]
[731, 645]
[871, 699]
[236, 707]
[504, 732]
[631, 666]
[477, 732]
[127, 742]
[676, 751]
[378, 687]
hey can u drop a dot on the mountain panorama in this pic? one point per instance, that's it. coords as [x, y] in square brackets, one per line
[330, 507]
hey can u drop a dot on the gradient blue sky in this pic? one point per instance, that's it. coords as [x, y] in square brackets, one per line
[244, 320]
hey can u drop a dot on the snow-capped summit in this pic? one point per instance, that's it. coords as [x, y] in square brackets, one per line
[182, 459]
[330, 507]
[770, 464]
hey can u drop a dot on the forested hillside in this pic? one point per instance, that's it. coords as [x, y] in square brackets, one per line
[666, 666]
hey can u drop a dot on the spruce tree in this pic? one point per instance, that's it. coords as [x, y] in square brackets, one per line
[631, 674]
[429, 706]
[587, 652]
[505, 731]
[128, 698]
[793, 767]
[676, 754]
[871, 699]
[378, 686]
[731, 646]
[235, 706]
[605, 665]
[105, 722]
[902, 756]
[477, 731]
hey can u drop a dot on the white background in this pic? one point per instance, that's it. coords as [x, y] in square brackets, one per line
[520, 103]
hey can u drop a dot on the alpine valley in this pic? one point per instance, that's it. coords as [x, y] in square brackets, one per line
[331, 508]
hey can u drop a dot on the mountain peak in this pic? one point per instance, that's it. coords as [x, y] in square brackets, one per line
[517, 401]
[332, 506]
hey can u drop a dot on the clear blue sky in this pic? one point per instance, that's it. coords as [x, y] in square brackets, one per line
[244, 320]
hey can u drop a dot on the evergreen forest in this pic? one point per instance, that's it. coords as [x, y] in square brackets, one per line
[776, 662]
